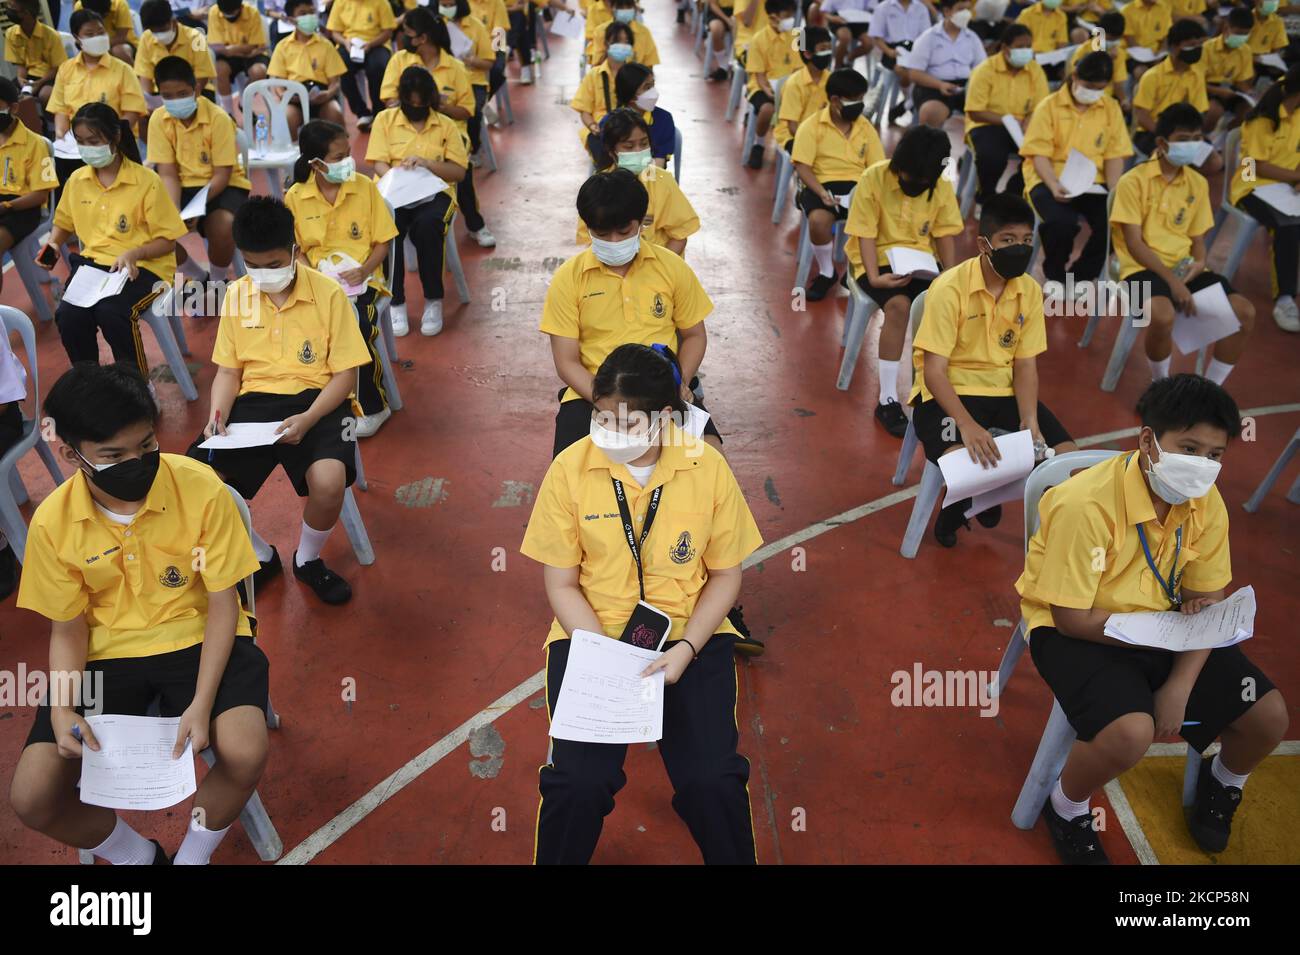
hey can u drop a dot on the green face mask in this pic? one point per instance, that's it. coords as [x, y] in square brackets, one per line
[1234, 41]
[1268, 7]
[634, 162]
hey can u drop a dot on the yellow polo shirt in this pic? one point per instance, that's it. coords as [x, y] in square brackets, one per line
[1162, 86]
[393, 138]
[669, 215]
[362, 19]
[247, 28]
[143, 587]
[1188, 8]
[833, 156]
[315, 60]
[1086, 553]
[1268, 35]
[773, 54]
[1148, 24]
[450, 76]
[477, 31]
[1260, 140]
[801, 97]
[197, 149]
[190, 45]
[301, 345]
[1224, 66]
[111, 82]
[134, 210]
[25, 163]
[979, 337]
[880, 211]
[743, 33]
[590, 97]
[38, 54]
[119, 18]
[1057, 126]
[493, 13]
[702, 523]
[1050, 29]
[1170, 213]
[1106, 7]
[995, 87]
[354, 223]
[1118, 59]
[644, 50]
[589, 301]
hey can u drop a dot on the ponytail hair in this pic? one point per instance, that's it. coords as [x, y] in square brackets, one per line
[1270, 104]
[104, 120]
[314, 141]
[647, 379]
[629, 80]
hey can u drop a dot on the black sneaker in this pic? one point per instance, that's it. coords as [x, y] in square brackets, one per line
[718, 75]
[1210, 819]
[898, 110]
[990, 518]
[755, 156]
[364, 123]
[8, 572]
[160, 856]
[890, 414]
[746, 645]
[268, 571]
[949, 521]
[821, 286]
[329, 586]
[1075, 840]
[681, 15]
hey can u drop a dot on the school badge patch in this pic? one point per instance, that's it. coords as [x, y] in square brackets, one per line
[1182, 214]
[657, 309]
[306, 354]
[172, 577]
[925, 228]
[355, 231]
[203, 157]
[683, 552]
[1008, 338]
[122, 225]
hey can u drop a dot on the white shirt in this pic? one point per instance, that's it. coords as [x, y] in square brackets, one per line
[895, 23]
[944, 58]
[13, 376]
[835, 6]
[641, 475]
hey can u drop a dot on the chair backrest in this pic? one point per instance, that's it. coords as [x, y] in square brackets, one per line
[1231, 158]
[242, 506]
[390, 273]
[12, 320]
[241, 144]
[69, 44]
[136, 25]
[1055, 470]
[918, 309]
[276, 93]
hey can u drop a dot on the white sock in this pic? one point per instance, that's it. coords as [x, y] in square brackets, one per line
[1225, 775]
[822, 253]
[198, 845]
[191, 269]
[888, 371]
[260, 547]
[1159, 369]
[1218, 371]
[310, 543]
[227, 101]
[1066, 807]
[125, 846]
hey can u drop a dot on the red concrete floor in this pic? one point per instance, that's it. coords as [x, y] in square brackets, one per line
[434, 635]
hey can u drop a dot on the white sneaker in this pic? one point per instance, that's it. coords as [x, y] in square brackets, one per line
[490, 114]
[484, 238]
[1287, 315]
[368, 424]
[400, 325]
[526, 76]
[431, 320]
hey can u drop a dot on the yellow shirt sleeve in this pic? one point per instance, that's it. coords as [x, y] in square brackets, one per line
[552, 534]
[792, 100]
[50, 586]
[377, 147]
[979, 90]
[223, 348]
[1145, 95]
[805, 142]
[56, 104]
[733, 535]
[1203, 218]
[947, 216]
[227, 550]
[457, 151]
[584, 100]
[161, 149]
[1118, 143]
[1040, 135]
[276, 67]
[677, 218]
[1127, 207]
[864, 209]
[691, 304]
[560, 310]
[1212, 568]
[334, 66]
[63, 213]
[160, 212]
[224, 151]
[1068, 540]
[382, 227]
[132, 93]
[940, 321]
[347, 349]
[335, 23]
[386, 19]
[1033, 333]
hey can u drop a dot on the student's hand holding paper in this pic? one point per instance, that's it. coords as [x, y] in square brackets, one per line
[71, 732]
[672, 661]
[126, 263]
[214, 426]
[294, 428]
[1197, 604]
[351, 278]
[1182, 297]
[889, 280]
[193, 729]
[980, 444]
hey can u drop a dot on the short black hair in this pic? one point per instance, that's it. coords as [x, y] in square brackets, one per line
[292, 5]
[846, 84]
[617, 29]
[418, 81]
[1185, 30]
[945, 4]
[9, 91]
[1113, 23]
[1004, 209]
[155, 14]
[619, 125]
[1181, 117]
[80, 18]
[922, 154]
[263, 224]
[1095, 67]
[92, 402]
[1013, 32]
[609, 200]
[779, 6]
[1242, 18]
[173, 68]
[629, 80]
[97, 6]
[230, 6]
[645, 377]
[1183, 401]
[813, 37]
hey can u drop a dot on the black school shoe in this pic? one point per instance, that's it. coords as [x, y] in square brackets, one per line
[718, 75]
[951, 519]
[990, 518]
[160, 856]
[1075, 840]
[1210, 819]
[268, 571]
[8, 572]
[746, 645]
[821, 286]
[329, 586]
[890, 414]
[755, 156]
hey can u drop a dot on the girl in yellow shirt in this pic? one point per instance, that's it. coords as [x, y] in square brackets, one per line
[27, 178]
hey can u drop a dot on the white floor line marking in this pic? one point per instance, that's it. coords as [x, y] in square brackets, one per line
[1129, 822]
[1288, 747]
[332, 831]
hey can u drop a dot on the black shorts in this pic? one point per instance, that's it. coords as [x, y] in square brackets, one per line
[11, 426]
[989, 412]
[1229, 103]
[710, 16]
[758, 99]
[923, 94]
[573, 421]
[809, 201]
[240, 64]
[20, 223]
[1096, 684]
[230, 199]
[1160, 288]
[881, 295]
[246, 469]
[855, 29]
[131, 684]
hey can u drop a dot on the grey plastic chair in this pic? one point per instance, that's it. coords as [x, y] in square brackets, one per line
[737, 92]
[677, 154]
[804, 255]
[1247, 225]
[23, 255]
[504, 109]
[1274, 473]
[276, 94]
[927, 495]
[857, 315]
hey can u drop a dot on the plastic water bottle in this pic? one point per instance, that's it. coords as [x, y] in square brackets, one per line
[261, 135]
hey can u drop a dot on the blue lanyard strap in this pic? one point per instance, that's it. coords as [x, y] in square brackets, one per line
[1168, 586]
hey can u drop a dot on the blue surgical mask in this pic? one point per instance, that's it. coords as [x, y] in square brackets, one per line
[340, 171]
[634, 162]
[616, 253]
[95, 156]
[625, 16]
[1020, 57]
[620, 52]
[1183, 154]
[182, 108]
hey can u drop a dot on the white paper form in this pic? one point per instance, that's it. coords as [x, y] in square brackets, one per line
[90, 285]
[1052, 57]
[570, 25]
[1012, 126]
[1271, 59]
[1214, 319]
[603, 698]
[905, 261]
[1079, 176]
[1281, 196]
[695, 420]
[1014, 491]
[1142, 54]
[66, 148]
[406, 186]
[197, 207]
[357, 50]
[1230, 621]
[1203, 150]
[854, 16]
[461, 45]
[244, 434]
[967, 478]
[134, 768]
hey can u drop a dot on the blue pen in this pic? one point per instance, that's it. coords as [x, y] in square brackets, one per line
[1192, 723]
[76, 733]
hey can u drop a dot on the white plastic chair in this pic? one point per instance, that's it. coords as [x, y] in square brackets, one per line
[750, 139]
[504, 109]
[486, 151]
[1274, 473]
[1246, 224]
[13, 493]
[23, 255]
[677, 154]
[804, 255]
[721, 60]
[540, 28]
[276, 94]
[737, 92]
[927, 495]
[857, 315]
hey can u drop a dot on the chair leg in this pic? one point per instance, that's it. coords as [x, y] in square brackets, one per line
[178, 327]
[51, 462]
[1245, 233]
[360, 483]
[162, 330]
[390, 379]
[1191, 774]
[1010, 657]
[28, 273]
[855, 330]
[1090, 329]
[927, 496]
[453, 265]
[804, 259]
[260, 830]
[1049, 760]
[17, 487]
[1124, 340]
[905, 455]
[12, 523]
[1273, 474]
[356, 530]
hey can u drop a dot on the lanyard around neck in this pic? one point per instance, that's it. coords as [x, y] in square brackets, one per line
[629, 533]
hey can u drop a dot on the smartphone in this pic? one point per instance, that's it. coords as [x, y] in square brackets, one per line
[648, 627]
[48, 256]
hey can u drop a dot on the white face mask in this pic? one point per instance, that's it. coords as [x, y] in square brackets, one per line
[785, 25]
[166, 39]
[272, 280]
[623, 448]
[646, 101]
[616, 253]
[1086, 96]
[961, 19]
[1176, 478]
[95, 45]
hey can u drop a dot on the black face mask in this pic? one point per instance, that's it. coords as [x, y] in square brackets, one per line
[416, 114]
[6, 118]
[1192, 55]
[851, 111]
[409, 42]
[128, 480]
[1011, 261]
[821, 60]
[912, 188]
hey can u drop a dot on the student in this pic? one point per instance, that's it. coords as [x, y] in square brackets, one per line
[1268, 34]
[901, 202]
[1008, 84]
[92, 76]
[464, 30]
[1157, 516]
[1048, 23]
[27, 180]
[165, 36]
[595, 95]
[1197, 10]
[365, 26]
[940, 64]
[634, 88]
[304, 383]
[521, 38]
[13, 389]
[804, 92]
[192, 145]
[769, 58]
[1271, 136]
[145, 620]
[633, 458]
[494, 15]
[719, 20]
[124, 221]
[584, 314]
[670, 219]
[1077, 116]
[973, 359]
[428, 45]
[119, 24]
[238, 38]
[308, 58]
[647, 54]
[337, 211]
[599, 14]
[1112, 25]
[35, 50]
[1178, 78]
[895, 25]
[1146, 24]
[831, 150]
[416, 135]
[849, 42]
[1229, 69]
[1159, 221]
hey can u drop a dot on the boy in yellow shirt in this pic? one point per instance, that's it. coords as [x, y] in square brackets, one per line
[166, 36]
[1147, 23]
[1108, 35]
[1229, 68]
[238, 38]
[119, 24]
[362, 29]
[1009, 83]
[307, 57]
[804, 92]
[1268, 34]
[1155, 515]
[769, 58]
[1179, 78]
[35, 50]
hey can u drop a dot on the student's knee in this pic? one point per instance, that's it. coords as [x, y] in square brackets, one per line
[256, 72]
[1065, 447]
[1266, 722]
[1078, 35]
[897, 309]
[820, 226]
[223, 71]
[332, 112]
[590, 789]
[933, 113]
[1244, 311]
[1162, 313]
[327, 480]
[34, 793]
[220, 222]
[241, 745]
[712, 785]
[1125, 740]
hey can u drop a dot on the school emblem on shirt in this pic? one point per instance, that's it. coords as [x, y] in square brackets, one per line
[122, 225]
[1008, 338]
[1182, 214]
[925, 228]
[313, 64]
[1100, 138]
[306, 354]
[203, 157]
[682, 552]
[171, 577]
[355, 231]
[657, 309]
